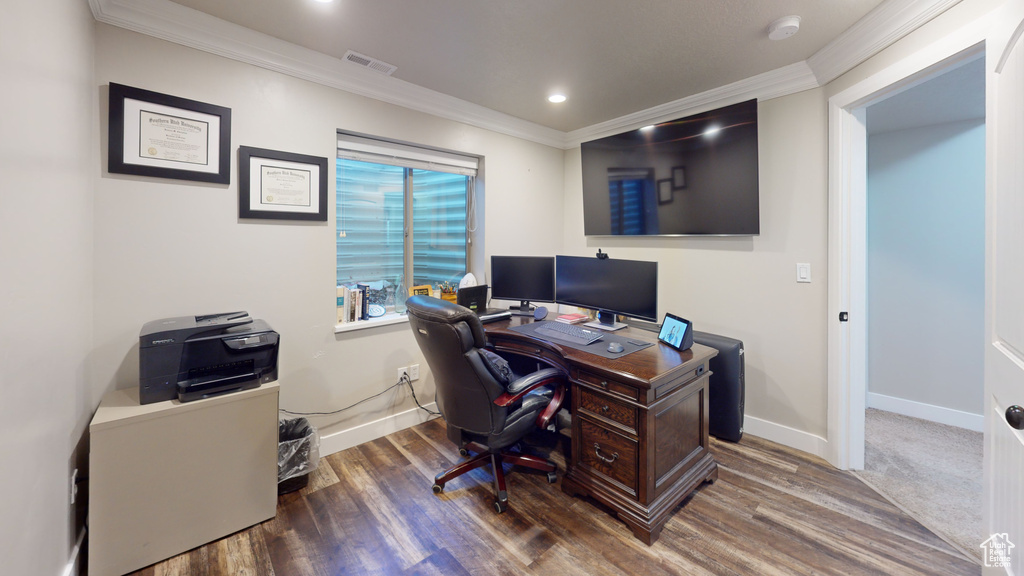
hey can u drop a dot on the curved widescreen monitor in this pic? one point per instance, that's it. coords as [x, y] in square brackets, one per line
[692, 176]
[627, 287]
[524, 278]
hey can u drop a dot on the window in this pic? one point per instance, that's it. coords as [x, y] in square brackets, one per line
[631, 203]
[403, 216]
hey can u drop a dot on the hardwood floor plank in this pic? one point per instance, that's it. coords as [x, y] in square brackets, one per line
[345, 514]
[879, 517]
[816, 481]
[322, 477]
[440, 563]
[369, 510]
[180, 565]
[724, 535]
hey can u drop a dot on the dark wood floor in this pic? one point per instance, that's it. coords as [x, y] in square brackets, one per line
[370, 510]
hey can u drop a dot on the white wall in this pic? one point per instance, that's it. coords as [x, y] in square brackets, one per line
[745, 287]
[926, 264]
[172, 248]
[48, 159]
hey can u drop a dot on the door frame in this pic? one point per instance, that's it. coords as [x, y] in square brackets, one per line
[847, 236]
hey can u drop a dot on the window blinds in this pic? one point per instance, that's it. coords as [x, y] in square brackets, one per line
[363, 148]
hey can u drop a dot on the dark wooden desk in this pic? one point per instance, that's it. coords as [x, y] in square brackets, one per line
[639, 423]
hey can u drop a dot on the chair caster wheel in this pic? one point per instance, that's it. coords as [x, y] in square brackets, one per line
[552, 477]
[437, 488]
[500, 506]
[463, 452]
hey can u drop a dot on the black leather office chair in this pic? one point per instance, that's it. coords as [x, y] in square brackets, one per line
[487, 407]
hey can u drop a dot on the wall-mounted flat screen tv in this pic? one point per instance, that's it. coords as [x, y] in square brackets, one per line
[692, 176]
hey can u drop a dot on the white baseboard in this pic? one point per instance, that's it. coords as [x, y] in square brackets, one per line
[331, 442]
[948, 416]
[786, 436]
[72, 569]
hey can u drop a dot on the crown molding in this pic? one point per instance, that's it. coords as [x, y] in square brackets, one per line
[181, 25]
[890, 21]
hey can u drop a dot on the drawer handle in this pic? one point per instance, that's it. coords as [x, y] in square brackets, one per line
[604, 384]
[605, 408]
[597, 451]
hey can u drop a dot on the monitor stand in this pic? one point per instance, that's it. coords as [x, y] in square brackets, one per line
[606, 321]
[524, 309]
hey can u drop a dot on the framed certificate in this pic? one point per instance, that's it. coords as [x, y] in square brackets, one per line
[281, 185]
[153, 134]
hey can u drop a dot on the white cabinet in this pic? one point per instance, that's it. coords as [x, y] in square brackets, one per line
[170, 476]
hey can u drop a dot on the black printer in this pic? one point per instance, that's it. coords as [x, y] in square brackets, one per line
[194, 357]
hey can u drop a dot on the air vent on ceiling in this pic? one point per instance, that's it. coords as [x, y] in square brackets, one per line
[371, 63]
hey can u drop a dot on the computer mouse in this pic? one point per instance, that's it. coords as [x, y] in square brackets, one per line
[615, 347]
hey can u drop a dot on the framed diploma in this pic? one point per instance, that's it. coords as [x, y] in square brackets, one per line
[153, 134]
[281, 185]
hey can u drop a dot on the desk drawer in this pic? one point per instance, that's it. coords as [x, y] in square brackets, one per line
[605, 383]
[604, 407]
[610, 454]
[526, 349]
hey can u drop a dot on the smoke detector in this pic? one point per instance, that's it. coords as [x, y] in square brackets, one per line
[783, 27]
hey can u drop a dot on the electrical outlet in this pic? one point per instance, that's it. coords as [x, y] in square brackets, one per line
[414, 372]
[74, 484]
[402, 371]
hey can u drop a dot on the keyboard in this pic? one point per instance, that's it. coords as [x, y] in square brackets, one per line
[568, 333]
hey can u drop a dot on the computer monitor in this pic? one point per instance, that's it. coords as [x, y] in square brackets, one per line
[523, 278]
[610, 286]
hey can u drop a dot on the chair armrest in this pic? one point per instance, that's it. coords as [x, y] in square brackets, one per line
[523, 386]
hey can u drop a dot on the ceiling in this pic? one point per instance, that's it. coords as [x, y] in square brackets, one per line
[954, 95]
[493, 64]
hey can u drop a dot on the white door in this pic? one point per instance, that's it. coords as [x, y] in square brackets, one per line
[1004, 355]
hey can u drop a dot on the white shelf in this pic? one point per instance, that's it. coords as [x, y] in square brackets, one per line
[385, 320]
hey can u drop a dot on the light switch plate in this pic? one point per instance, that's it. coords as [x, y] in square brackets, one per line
[803, 272]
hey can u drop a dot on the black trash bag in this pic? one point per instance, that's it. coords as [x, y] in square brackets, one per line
[298, 453]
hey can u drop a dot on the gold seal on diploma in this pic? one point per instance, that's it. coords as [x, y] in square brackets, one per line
[270, 198]
[152, 151]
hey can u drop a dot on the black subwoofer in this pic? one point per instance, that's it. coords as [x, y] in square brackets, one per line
[726, 386]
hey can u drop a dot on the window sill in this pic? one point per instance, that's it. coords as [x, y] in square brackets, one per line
[385, 320]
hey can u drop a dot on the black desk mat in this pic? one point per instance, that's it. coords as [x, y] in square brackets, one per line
[599, 347]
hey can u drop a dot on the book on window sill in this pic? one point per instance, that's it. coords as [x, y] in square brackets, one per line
[350, 303]
[364, 301]
[347, 299]
[572, 318]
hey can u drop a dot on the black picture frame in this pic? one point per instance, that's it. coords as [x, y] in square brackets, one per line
[678, 177]
[664, 191]
[169, 136]
[281, 185]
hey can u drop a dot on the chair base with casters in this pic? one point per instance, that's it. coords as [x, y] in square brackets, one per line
[495, 459]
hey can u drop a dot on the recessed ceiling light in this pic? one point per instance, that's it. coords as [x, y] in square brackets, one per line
[711, 131]
[557, 98]
[647, 128]
[324, 1]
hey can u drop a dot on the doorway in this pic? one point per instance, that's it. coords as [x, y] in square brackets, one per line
[848, 235]
[926, 302]
[926, 248]
[916, 282]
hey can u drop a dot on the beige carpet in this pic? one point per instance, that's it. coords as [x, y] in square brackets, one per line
[931, 471]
